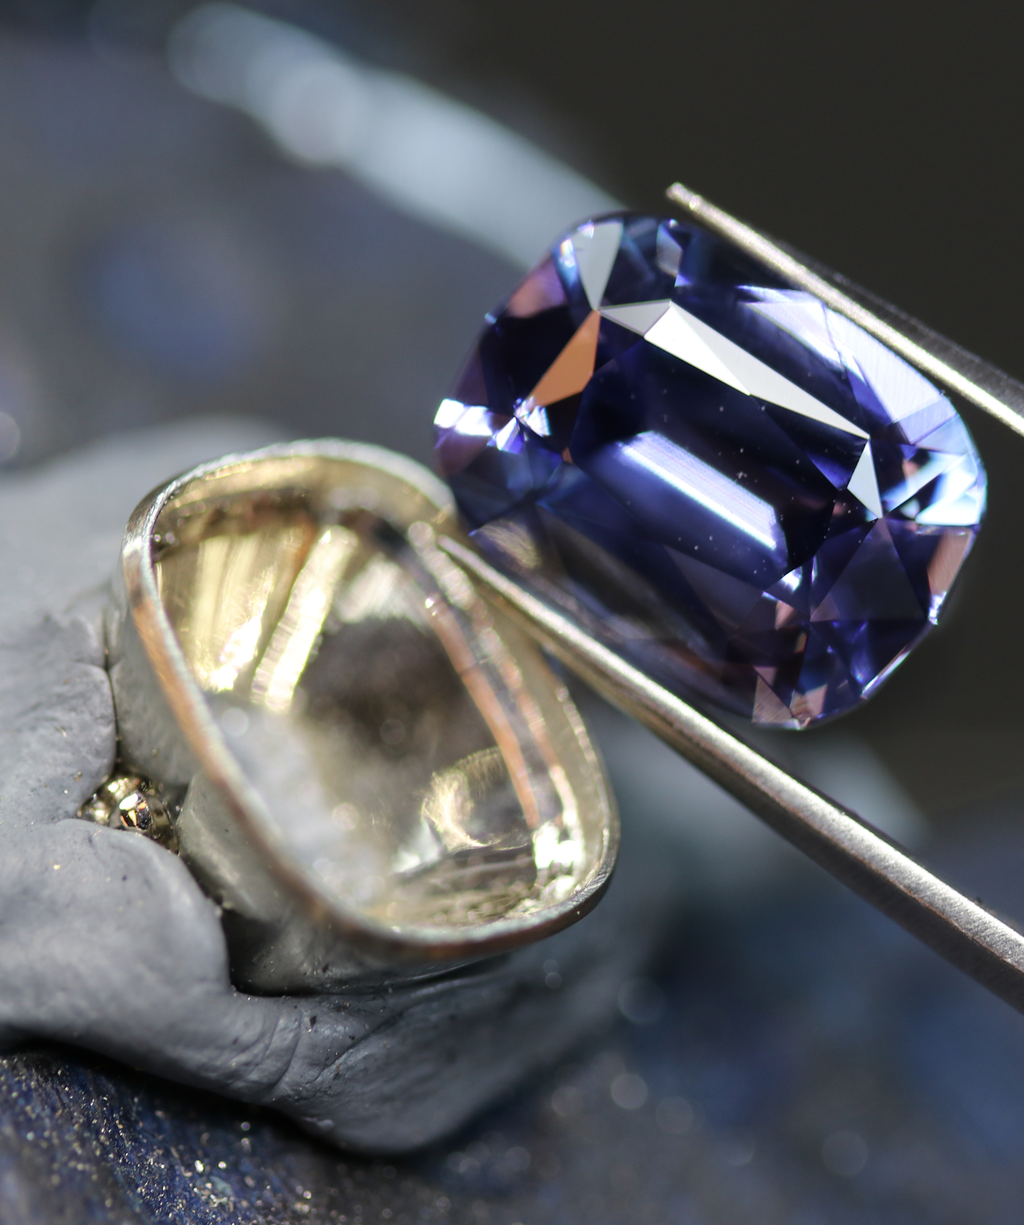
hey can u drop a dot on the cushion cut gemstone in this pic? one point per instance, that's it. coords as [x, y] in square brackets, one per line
[734, 487]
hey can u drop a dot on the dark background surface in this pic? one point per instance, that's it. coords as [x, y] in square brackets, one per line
[161, 259]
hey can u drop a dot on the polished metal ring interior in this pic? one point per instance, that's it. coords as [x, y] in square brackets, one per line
[378, 773]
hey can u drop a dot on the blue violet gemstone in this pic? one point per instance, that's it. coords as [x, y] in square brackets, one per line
[737, 489]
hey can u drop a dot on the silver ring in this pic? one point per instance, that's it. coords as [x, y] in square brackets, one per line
[376, 774]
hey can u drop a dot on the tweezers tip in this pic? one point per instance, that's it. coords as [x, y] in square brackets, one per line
[684, 196]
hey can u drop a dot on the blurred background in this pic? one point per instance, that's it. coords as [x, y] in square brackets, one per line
[299, 212]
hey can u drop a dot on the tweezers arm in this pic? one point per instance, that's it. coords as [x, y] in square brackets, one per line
[849, 848]
[947, 363]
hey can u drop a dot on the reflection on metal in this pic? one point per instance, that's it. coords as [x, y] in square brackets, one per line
[437, 159]
[126, 801]
[383, 773]
[297, 634]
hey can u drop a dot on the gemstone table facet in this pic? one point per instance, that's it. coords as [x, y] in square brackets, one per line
[733, 486]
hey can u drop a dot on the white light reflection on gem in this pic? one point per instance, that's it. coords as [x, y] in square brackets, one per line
[693, 341]
[797, 313]
[919, 472]
[448, 414]
[595, 248]
[958, 499]
[669, 252]
[537, 420]
[507, 438]
[473, 422]
[793, 579]
[704, 485]
[902, 389]
[863, 483]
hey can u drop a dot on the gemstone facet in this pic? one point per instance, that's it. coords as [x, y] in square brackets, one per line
[733, 486]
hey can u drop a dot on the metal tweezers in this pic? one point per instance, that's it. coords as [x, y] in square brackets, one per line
[844, 844]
